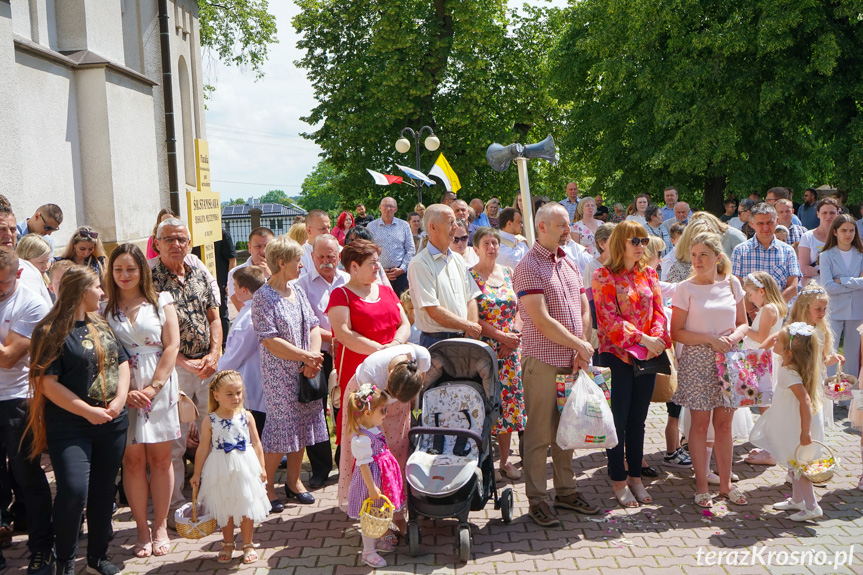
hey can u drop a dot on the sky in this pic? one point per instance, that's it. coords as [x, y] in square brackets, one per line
[254, 127]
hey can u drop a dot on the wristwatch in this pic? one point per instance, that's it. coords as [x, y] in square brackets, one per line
[157, 385]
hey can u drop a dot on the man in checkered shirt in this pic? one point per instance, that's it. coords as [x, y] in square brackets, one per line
[554, 308]
[763, 252]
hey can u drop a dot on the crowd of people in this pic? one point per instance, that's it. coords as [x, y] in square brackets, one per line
[102, 355]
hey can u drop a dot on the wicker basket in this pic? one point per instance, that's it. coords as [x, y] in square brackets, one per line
[838, 387]
[195, 527]
[818, 471]
[375, 516]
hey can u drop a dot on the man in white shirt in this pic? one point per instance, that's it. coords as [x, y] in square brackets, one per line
[317, 224]
[442, 294]
[258, 240]
[513, 245]
[318, 284]
[20, 311]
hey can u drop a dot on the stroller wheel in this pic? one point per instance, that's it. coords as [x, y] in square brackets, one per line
[464, 543]
[414, 538]
[506, 505]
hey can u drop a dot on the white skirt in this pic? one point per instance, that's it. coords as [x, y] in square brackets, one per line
[231, 487]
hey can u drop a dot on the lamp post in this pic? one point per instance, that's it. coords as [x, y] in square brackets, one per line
[403, 146]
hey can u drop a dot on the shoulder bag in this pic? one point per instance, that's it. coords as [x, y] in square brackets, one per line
[654, 365]
[311, 388]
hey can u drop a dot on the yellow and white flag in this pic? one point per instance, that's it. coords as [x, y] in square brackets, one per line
[444, 171]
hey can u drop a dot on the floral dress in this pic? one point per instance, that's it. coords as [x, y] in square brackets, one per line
[588, 240]
[498, 306]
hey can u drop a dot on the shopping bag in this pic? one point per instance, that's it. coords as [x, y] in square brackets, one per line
[601, 376]
[746, 376]
[586, 421]
[666, 385]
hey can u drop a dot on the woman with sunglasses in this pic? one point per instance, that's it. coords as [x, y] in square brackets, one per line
[629, 316]
[85, 249]
[459, 245]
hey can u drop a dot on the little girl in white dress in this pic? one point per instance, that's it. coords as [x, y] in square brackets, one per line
[229, 466]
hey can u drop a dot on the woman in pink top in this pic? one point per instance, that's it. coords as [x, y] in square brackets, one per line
[708, 318]
[628, 313]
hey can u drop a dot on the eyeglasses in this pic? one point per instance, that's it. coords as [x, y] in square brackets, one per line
[460, 240]
[639, 241]
[47, 227]
[175, 240]
[87, 235]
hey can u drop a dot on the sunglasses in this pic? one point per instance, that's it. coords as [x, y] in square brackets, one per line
[460, 240]
[639, 241]
[47, 227]
[84, 234]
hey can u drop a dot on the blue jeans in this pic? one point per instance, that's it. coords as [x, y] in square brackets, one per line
[28, 474]
[427, 339]
[85, 467]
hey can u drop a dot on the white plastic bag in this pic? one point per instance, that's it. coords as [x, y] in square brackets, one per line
[586, 421]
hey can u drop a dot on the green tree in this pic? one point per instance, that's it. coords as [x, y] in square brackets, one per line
[238, 31]
[466, 69]
[276, 197]
[714, 97]
[237, 202]
[320, 190]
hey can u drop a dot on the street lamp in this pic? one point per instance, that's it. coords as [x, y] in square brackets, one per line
[403, 146]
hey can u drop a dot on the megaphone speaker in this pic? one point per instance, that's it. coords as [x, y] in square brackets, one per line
[499, 157]
[544, 150]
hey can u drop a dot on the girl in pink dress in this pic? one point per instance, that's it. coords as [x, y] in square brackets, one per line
[376, 472]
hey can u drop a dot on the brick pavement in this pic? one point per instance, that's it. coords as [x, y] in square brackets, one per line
[664, 537]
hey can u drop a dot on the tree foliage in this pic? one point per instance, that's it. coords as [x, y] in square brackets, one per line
[238, 31]
[320, 189]
[715, 97]
[467, 69]
[276, 197]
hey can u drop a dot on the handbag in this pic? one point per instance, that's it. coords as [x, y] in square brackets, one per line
[312, 388]
[654, 365]
[187, 409]
[666, 384]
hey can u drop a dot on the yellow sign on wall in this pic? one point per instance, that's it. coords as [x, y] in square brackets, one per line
[205, 217]
[202, 164]
[208, 255]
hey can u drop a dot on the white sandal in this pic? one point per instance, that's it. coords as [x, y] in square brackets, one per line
[626, 498]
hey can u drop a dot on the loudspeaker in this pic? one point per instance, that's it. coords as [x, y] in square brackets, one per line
[499, 156]
[544, 149]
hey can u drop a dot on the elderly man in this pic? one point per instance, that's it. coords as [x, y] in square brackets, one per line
[397, 244]
[765, 253]
[200, 331]
[780, 193]
[481, 217]
[554, 308]
[460, 209]
[784, 216]
[317, 224]
[571, 200]
[513, 245]
[258, 240]
[317, 285]
[442, 292]
[44, 222]
[681, 215]
[20, 311]
[362, 219]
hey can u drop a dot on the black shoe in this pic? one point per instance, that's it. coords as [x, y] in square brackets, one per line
[317, 481]
[2, 561]
[305, 498]
[649, 471]
[42, 563]
[101, 566]
[66, 567]
[276, 506]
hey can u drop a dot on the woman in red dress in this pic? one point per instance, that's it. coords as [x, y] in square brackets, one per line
[365, 316]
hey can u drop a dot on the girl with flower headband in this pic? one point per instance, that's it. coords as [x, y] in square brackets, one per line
[376, 471]
[795, 416]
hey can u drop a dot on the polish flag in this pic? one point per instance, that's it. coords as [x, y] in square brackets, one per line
[384, 179]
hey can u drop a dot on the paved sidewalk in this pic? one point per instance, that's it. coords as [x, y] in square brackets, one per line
[664, 537]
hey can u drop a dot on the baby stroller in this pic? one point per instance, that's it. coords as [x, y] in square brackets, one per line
[451, 471]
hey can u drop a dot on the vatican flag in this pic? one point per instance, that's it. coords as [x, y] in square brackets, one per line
[444, 171]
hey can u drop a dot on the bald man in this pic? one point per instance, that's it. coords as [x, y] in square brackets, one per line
[396, 240]
[442, 293]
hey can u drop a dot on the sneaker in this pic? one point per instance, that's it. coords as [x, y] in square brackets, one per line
[101, 566]
[577, 503]
[41, 563]
[677, 459]
[544, 514]
[807, 514]
[66, 567]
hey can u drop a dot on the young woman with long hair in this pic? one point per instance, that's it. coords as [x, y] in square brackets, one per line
[79, 379]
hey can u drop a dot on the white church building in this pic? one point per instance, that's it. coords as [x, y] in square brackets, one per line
[83, 117]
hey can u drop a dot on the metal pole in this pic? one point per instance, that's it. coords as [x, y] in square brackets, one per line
[419, 169]
[526, 203]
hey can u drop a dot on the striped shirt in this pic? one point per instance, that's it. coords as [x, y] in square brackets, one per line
[558, 279]
[779, 260]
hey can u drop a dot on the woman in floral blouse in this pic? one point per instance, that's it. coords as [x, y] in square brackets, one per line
[628, 313]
